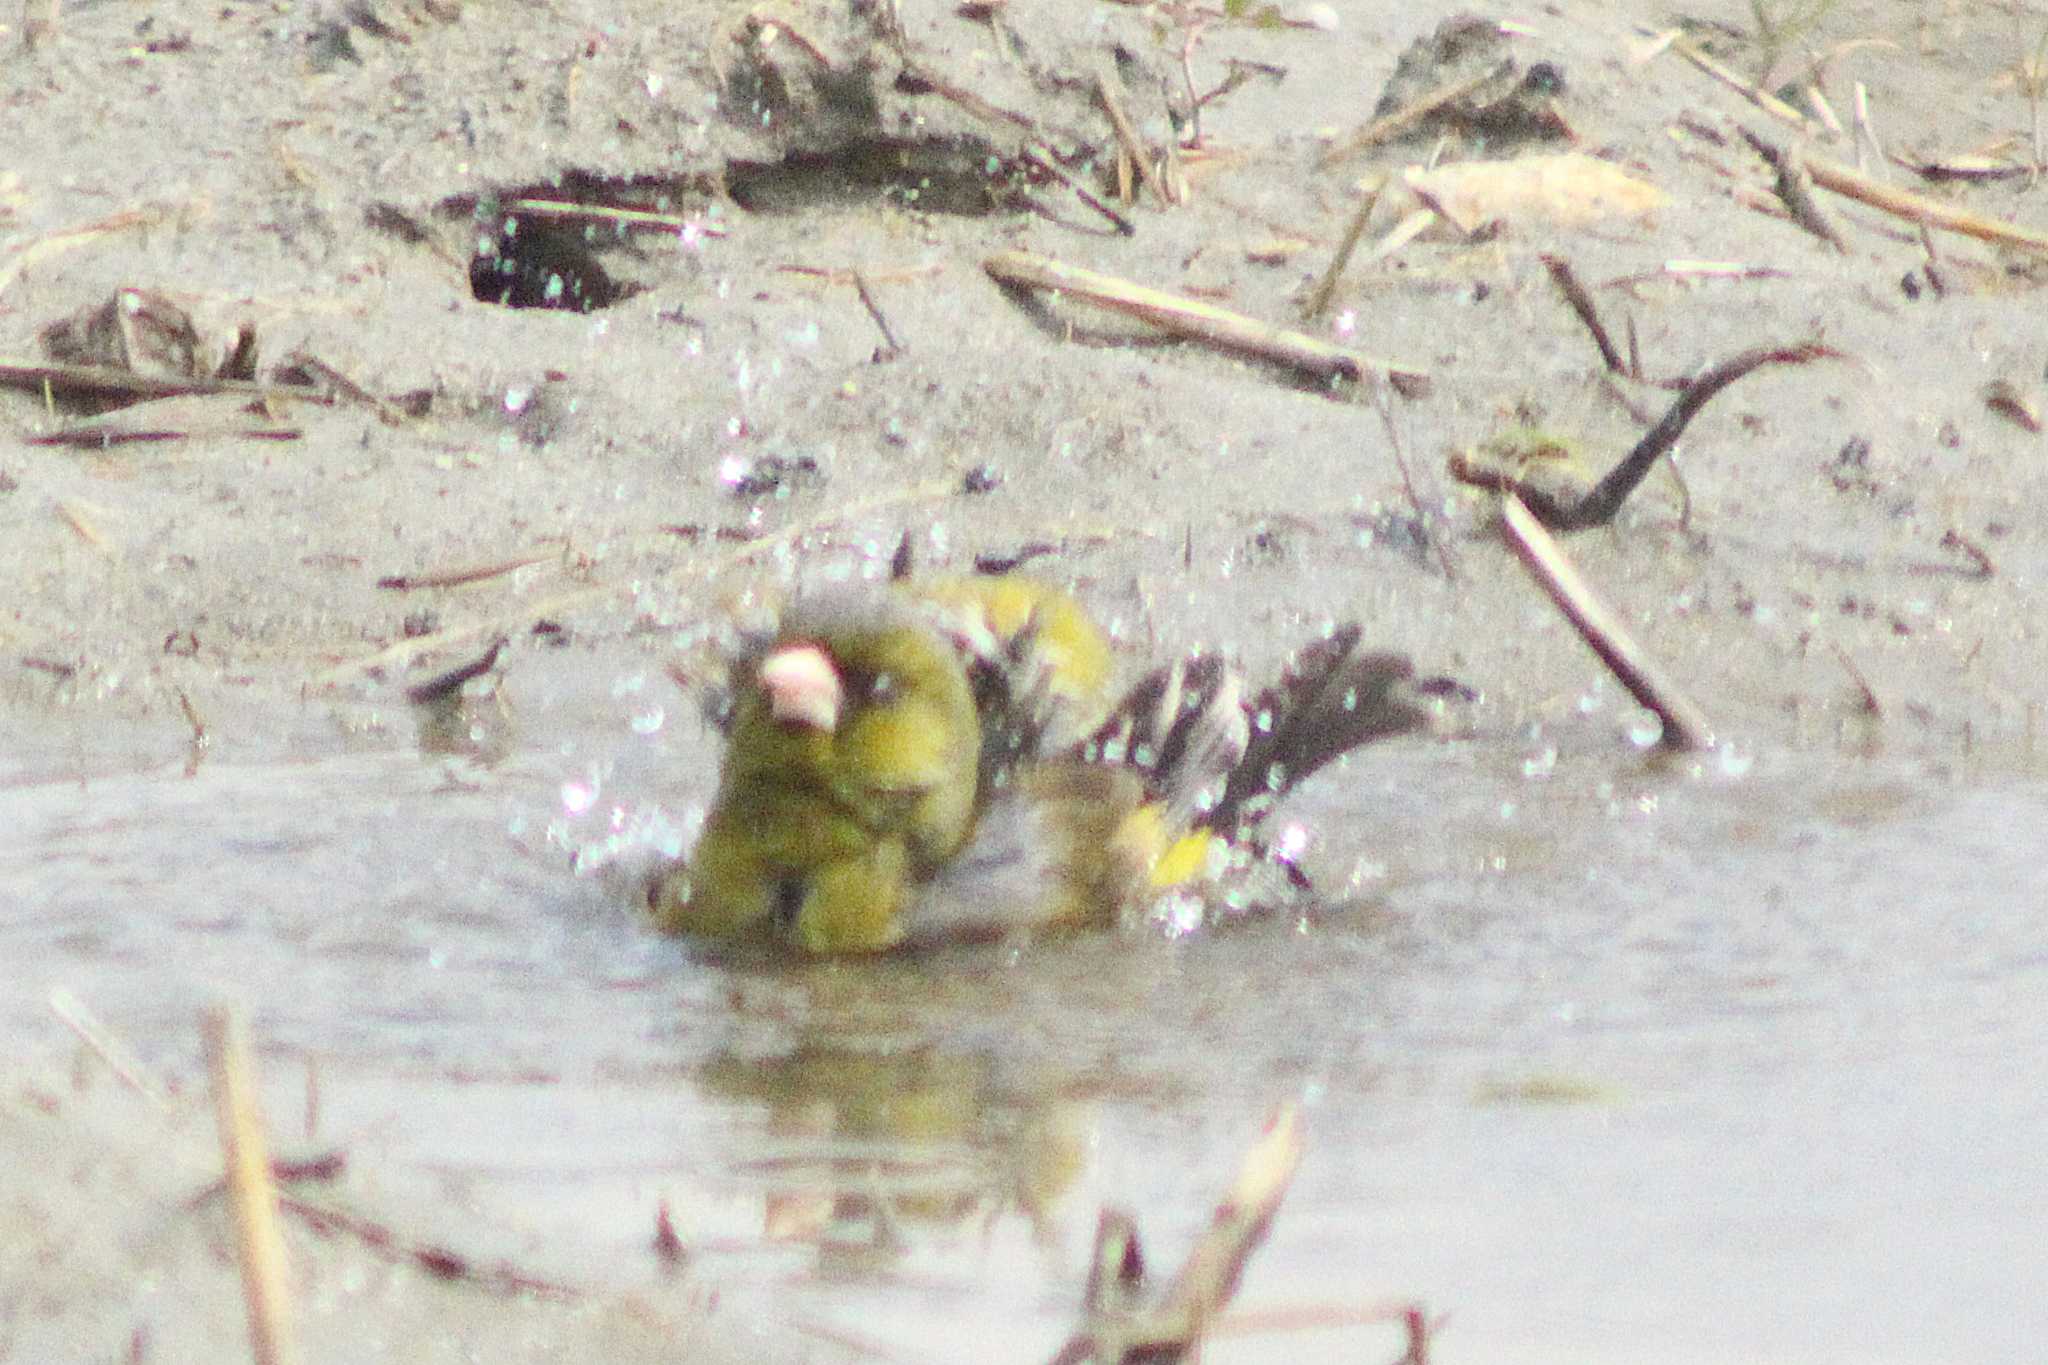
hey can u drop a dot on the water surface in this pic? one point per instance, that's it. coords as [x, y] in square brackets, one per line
[1605, 1058]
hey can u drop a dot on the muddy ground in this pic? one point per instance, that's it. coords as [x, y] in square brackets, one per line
[1851, 575]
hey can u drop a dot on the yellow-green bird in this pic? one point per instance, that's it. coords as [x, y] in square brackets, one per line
[937, 761]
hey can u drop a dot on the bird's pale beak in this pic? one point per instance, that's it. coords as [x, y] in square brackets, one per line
[803, 687]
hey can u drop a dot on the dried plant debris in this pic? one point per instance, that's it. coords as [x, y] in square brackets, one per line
[182, 366]
[1913, 208]
[1122, 1323]
[855, 98]
[155, 334]
[145, 344]
[2001, 161]
[1568, 191]
[2017, 403]
[1685, 726]
[1547, 468]
[1565, 509]
[231, 416]
[1501, 105]
[826, 109]
[1034, 279]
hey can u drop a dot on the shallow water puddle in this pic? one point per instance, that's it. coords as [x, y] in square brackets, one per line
[1605, 1063]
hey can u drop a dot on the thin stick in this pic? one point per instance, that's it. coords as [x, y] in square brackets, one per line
[1326, 287]
[1171, 1329]
[1443, 551]
[1685, 725]
[1914, 208]
[200, 740]
[1749, 90]
[1041, 156]
[78, 516]
[250, 1195]
[844, 275]
[119, 1058]
[402, 652]
[1795, 188]
[965, 98]
[606, 213]
[1818, 98]
[1679, 268]
[1189, 37]
[439, 1261]
[1582, 303]
[1599, 505]
[66, 239]
[1209, 1277]
[891, 347]
[456, 578]
[1401, 120]
[1866, 695]
[1109, 92]
[387, 413]
[1402, 233]
[1198, 321]
[105, 381]
[1866, 131]
[445, 685]
[109, 438]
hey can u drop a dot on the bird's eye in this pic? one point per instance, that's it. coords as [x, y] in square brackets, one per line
[870, 689]
[789, 902]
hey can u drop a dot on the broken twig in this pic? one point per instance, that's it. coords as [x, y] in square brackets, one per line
[118, 1056]
[1575, 294]
[1326, 287]
[1392, 125]
[251, 1196]
[1795, 190]
[1914, 208]
[460, 577]
[1198, 321]
[1120, 1333]
[1685, 725]
[94, 382]
[1605, 498]
[890, 347]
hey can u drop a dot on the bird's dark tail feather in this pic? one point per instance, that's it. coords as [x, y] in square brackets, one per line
[1222, 762]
